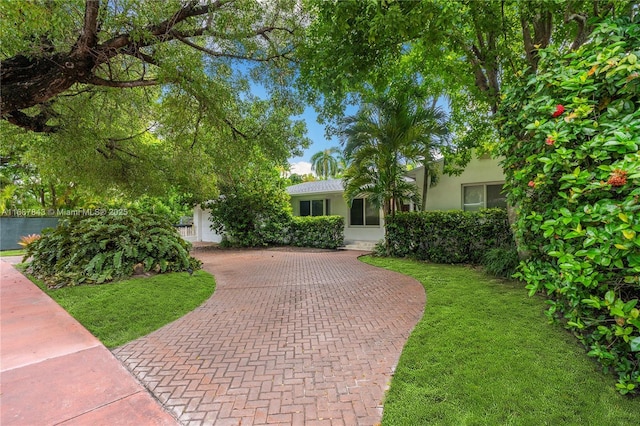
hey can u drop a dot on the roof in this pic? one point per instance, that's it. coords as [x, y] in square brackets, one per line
[316, 187]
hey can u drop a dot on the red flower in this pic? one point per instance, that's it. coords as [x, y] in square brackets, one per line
[549, 141]
[532, 184]
[618, 178]
[558, 112]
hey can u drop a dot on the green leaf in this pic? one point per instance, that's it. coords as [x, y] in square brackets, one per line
[635, 344]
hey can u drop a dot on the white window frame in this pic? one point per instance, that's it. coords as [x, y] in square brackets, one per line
[484, 193]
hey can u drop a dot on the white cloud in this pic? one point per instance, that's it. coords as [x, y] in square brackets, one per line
[301, 168]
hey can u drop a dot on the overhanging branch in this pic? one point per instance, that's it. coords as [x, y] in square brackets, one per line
[97, 81]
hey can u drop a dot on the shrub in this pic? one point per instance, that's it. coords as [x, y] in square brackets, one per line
[447, 237]
[317, 231]
[97, 249]
[26, 240]
[253, 211]
[571, 136]
[501, 261]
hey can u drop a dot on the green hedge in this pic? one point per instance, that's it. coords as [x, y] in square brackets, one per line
[317, 231]
[571, 140]
[98, 249]
[448, 237]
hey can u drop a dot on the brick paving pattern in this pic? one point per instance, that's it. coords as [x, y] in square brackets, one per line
[289, 337]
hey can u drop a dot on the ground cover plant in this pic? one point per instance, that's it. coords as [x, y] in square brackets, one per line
[98, 249]
[117, 313]
[571, 138]
[484, 353]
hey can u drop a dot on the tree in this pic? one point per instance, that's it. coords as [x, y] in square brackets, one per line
[144, 95]
[324, 164]
[377, 140]
[467, 50]
[430, 142]
[253, 208]
[53, 48]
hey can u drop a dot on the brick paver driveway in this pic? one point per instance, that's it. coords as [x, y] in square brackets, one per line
[289, 337]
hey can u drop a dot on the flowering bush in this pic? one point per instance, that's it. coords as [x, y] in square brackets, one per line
[571, 138]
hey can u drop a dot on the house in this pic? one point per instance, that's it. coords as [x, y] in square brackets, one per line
[478, 186]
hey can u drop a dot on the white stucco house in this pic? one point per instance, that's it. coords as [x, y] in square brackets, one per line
[478, 186]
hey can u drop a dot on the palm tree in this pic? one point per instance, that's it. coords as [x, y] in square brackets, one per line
[379, 141]
[432, 137]
[324, 164]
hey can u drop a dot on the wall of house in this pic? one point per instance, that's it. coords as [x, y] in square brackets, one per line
[202, 224]
[338, 206]
[447, 194]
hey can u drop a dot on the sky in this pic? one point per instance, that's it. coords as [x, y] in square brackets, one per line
[315, 132]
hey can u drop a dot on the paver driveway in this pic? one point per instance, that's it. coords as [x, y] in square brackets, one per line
[289, 337]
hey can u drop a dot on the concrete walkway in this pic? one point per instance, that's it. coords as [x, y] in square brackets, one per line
[289, 337]
[53, 371]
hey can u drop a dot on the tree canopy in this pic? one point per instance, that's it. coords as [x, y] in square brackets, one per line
[460, 49]
[139, 94]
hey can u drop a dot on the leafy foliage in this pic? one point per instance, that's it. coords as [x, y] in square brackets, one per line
[27, 240]
[253, 209]
[501, 261]
[378, 141]
[571, 137]
[317, 231]
[447, 237]
[144, 96]
[98, 249]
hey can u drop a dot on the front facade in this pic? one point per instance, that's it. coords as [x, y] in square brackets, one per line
[363, 222]
[478, 186]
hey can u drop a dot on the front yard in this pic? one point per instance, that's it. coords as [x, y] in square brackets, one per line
[484, 353]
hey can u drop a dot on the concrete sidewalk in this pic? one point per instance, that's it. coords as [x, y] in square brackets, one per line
[53, 371]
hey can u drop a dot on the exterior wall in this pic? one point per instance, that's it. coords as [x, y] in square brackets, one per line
[203, 226]
[447, 194]
[338, 206]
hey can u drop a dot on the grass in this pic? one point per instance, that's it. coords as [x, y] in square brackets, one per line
[120, 312]
[484, 353]
[18, 252]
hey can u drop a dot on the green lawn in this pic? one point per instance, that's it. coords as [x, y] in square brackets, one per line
[117, 313]
[18, 252]
[484, 353]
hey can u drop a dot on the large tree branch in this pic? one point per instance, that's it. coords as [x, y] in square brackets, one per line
[89, 32]
[161, 30]
[37, 123]
[226, 54]
[97, 81]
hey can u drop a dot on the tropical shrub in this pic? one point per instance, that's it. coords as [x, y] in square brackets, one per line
[501, 261]
[447, 236]
[317, 231]
[571, 134]
[253, 210]
[98, 249]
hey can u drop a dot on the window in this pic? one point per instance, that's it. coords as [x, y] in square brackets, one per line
[363, 213]
[476, 197]
[314, 207]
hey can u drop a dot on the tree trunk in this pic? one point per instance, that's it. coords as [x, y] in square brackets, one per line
[425, 186]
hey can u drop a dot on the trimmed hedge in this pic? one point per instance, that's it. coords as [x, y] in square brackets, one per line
[448, 237]
[317, 231]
